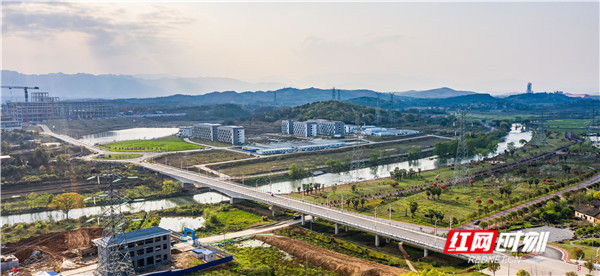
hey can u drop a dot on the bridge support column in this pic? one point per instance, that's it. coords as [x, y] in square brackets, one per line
[303, 220]
[312, 218]
[425, 252]
[387, 240]
[346, 228]
[337, 229]
[376, 240]
[235, 200]
[276, 211]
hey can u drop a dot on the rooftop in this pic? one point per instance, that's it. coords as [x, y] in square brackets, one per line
[587, 210]
[137, 235]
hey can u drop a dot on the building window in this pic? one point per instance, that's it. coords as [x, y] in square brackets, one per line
[165, 246]
[157, 248]
[140, 252]
[165, 257]
[164, 237]
[150, 260]
[149, 249]
[140, 263]
[148, 241]
[131, 244]
[157, 239]
[139, 243]
[157, 258]
[132, 253]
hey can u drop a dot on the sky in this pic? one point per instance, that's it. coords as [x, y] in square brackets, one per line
[478, 46]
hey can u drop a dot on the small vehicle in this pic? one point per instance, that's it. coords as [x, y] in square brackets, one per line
[476, 222]
[297, 217]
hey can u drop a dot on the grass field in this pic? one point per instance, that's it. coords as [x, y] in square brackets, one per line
[118, 156]
[169, 143]
[588, 251]
[318, 158]
[203, 157]
[568, 123]
[209, 142]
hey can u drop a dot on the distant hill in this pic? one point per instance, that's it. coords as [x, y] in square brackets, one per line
[540, 99]
[437, 93]
[329, 110]
[405, 102]
[78, 86]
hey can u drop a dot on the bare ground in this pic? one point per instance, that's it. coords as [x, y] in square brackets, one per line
[343, 264]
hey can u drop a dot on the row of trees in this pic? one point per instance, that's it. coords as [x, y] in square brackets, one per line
[397, 174]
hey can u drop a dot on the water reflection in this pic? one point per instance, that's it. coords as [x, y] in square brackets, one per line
[128, 134]
[146, 206]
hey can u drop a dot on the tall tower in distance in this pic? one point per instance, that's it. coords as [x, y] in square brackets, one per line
[529, 91]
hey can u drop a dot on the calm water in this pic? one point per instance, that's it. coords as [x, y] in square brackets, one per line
[128, 134]
[150, 205]
[429, 163]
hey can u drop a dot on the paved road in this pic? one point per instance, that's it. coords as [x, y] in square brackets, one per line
[249, 232]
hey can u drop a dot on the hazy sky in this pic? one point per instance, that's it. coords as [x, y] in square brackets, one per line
[485, 47]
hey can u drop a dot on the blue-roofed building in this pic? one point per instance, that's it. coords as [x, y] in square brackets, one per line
[207, 255]
[147, 248]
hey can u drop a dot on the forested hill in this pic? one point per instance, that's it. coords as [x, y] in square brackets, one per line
[329, 110]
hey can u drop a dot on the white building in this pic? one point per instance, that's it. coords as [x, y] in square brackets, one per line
[313, 127]
[234, 135]
[186, 131]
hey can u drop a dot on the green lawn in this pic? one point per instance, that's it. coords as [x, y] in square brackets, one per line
[588, 251]
[568, 123]
[118, 156]
[169, 143]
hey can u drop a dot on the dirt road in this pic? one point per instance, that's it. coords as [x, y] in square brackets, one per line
[317, 256]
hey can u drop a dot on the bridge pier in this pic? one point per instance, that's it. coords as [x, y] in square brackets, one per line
[387, 240]
[376, 240]
[337, 229]
[346, 228]
[425, 252]
[235, 200]
[312, 218]
[276, 211]
[303, 220]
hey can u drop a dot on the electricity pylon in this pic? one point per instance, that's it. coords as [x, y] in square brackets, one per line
[540, 135]
[357, 150]
[115, 260]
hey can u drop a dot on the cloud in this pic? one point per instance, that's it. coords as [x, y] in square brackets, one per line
[109, 28]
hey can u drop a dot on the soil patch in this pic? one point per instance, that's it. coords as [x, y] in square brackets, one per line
[343, 264]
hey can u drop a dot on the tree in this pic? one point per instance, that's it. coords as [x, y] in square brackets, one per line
[414, 153]
[40, 157]
[373, 158]
[483, 225]
[454, 221]
[296, 171]
[523, 141]
[362, 201]
[523, 272]
[589, 265]
[171, 187]
[571, 273]
[494, 266]
[32, 200]
[353, 187]
[413, 208]
[66, 202]
[578, 252]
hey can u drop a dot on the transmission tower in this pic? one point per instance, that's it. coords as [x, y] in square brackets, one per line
[275, 97]
[339, 95]
[540, 135]
[378, 110]
[461, 172]
[115, 260]
[333, 94]
[357, 151]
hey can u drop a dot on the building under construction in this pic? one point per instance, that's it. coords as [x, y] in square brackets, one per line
[42, 108]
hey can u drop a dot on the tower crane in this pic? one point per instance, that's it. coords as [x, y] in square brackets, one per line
[22, 87]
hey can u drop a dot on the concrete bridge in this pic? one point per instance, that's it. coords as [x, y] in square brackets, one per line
[383, 229]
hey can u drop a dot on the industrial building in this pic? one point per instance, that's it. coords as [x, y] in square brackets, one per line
[313, 128]
[381, 131]
[215, 132]
[147, 248]
[43, 108]
[288, 147]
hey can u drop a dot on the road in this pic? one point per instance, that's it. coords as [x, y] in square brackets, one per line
[249, 232]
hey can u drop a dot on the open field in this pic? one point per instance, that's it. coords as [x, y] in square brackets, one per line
[118, 156]
[568, 123]
[78, 128]
[169, 143]
[202, 157]
[209, 142]
[318, 158]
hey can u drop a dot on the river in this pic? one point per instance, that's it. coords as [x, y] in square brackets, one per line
[149, 205]
[428, 163]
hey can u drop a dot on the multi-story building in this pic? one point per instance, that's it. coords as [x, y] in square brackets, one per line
[205, 131]
[313, 127]
[234, 135]
[186, 131]
[42, 108]
[231, 134]
[147, 248]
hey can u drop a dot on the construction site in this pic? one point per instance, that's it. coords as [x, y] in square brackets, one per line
[42, 107]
